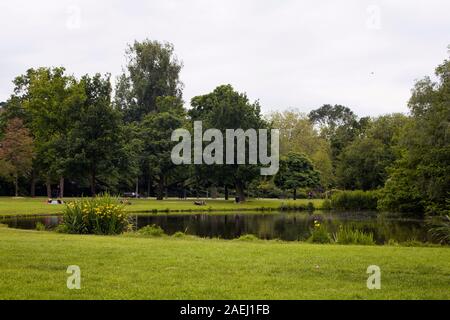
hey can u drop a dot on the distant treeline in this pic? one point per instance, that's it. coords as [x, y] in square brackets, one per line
[67, 136]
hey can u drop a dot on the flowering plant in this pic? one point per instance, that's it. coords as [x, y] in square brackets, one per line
[319, 233]
[100, 215]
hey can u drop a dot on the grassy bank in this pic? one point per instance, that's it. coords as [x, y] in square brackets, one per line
[33, 266]
[23, 206]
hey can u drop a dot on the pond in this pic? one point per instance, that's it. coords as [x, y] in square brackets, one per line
[284, 226]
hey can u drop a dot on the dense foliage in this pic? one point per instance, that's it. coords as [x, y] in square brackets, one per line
[420, 179]
[354, 200]
[296, 171]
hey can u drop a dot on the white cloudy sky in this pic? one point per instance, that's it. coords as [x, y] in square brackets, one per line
[288, 54]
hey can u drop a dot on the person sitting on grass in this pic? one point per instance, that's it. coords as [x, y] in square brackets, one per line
[51, 201]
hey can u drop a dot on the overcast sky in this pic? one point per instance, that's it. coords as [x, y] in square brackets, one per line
[288, 54]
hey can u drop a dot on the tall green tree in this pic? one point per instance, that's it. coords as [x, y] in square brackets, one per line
[222, 109]
[97, 147]
[424, 167]
[339, 125]
[364, 163]
[152, 71]
[297, 134]
[156, 131]
[296, 171]
[45, 98]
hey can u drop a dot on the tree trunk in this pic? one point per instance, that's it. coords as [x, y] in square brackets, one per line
[240, 190]
[214, 192]
[61, 187]
[226, 192]
[137, 187]
[16, 185]
[295, 194]
[49, 188]
[33, 184]
[149, 186]
[93, 193]
[160, 194]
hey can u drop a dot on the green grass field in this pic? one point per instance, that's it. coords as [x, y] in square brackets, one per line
[23, 206]
[33, 266]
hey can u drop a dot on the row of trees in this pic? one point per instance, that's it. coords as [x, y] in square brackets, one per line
[77, 134]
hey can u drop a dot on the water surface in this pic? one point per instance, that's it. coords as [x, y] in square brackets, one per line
[282, 225]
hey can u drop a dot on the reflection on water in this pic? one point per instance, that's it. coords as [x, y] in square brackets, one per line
[29, 222]
[284, 226]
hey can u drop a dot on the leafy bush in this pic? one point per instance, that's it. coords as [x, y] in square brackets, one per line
[351, 236]
[248, 237]
[300, 194]
[40, 226]
[400, 195]
[354, 200]
[326, 204]
[61, 228]
[151, 231]
[440, 229]
[265, 189]
[100, 215]
[179, 234]
[319, 234]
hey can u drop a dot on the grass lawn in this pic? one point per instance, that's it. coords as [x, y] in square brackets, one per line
[23, 206]
[33, 266]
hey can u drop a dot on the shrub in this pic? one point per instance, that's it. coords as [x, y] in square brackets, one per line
[40, 226]
[61, 228]
[326, 205]
[319, 234]
[440, 229]
[151, 231]
[354, 200]
[179, 234]
[247, 237]
[300, 194]
[100, 215]
[400, 195]
[265, 189]
[351, 236]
